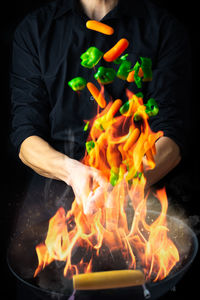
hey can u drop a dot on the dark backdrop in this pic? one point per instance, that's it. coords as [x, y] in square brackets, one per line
[185, 184]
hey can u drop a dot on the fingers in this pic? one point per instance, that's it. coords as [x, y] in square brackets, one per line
[97, 176]
[89, 188]
[95, 201]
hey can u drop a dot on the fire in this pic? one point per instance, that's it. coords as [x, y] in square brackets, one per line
[116, 145]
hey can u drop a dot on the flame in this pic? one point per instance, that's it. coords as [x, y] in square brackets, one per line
[117, 146]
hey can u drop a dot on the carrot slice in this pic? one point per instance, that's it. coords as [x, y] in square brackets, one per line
[114, 109]
[100, 27]
[117, 50]
[131, 74]
[130, 77]
[132, 139]
[96, 94]
[140, 73]
[113, 156]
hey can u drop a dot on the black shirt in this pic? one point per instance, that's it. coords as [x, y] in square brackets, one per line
[47, 47]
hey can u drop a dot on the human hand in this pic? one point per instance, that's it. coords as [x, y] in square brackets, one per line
[88, 184]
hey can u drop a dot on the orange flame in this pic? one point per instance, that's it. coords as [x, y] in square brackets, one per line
[119, 144]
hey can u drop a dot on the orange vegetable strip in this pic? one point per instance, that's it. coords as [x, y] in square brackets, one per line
[130, 77]
[100, 27]
[140, 73]
[114, 109]
[131, 74]
[116, 51]
[113, 156]
[132, 139]
[96, 94]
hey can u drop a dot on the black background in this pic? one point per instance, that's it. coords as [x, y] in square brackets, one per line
[14, 176]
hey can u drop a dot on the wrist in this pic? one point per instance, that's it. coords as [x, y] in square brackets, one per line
[68, 167]
[59, 167]
[65, 169]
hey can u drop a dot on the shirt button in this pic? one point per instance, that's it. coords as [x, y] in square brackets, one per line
[92, 98]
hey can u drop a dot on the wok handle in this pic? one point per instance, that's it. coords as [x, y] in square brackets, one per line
[108, 280]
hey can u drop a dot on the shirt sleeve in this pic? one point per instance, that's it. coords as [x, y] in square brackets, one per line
[171, 84]
[29, 97]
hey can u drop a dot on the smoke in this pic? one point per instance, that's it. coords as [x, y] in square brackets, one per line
[69, 145]
[194, 223]
[57, 193]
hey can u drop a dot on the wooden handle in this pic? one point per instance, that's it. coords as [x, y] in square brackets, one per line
[108, 280]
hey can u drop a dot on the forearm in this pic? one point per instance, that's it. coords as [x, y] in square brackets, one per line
[167, 158]
[37, 154]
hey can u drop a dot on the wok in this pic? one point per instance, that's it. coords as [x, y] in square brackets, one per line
[22, 261]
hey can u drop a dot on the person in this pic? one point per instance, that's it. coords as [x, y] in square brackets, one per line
[46, 50]
[48, 116]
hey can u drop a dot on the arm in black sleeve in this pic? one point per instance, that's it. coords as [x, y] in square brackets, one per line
[29, 97]
[171, 84]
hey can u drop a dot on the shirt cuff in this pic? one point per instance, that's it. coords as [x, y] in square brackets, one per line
[20, 135]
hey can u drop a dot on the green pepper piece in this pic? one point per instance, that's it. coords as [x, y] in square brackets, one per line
[138, 175]
[91, 57]
[130, 182]
[89, 146]
[119, 60]
[146, 68]
[137, 117]
[126, 163]
[105, 75]
[77, 83]
[140, 95]
[86, 126]
[113, 177]
[124, 70]
[98, 123]
[137, 79]
[124, 108]
[152, 108]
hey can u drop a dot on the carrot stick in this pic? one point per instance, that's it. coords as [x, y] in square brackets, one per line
[100, 27]
[130, 77]
[96, 94]
[113, 156]
[140, 73]
[131, 74]
[116, 51]
[114, 109]
[132, 139]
